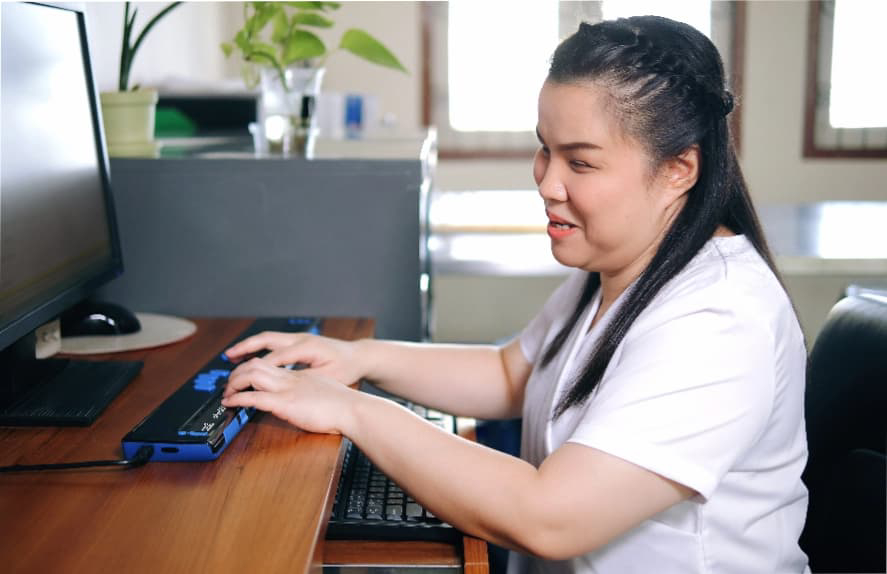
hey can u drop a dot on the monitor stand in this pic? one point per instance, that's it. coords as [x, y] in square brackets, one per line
[57, 392]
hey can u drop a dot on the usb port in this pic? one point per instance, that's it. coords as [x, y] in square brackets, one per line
[217, 440]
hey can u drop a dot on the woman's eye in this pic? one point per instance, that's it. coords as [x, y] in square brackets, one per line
[579, 164]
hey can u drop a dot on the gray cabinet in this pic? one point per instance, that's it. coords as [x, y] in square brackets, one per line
[272, 236]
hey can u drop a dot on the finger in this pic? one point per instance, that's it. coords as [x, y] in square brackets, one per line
[254, 373]
[262, 400]
[245, 348]
[296, 353]
[256, 343]
[238, 380]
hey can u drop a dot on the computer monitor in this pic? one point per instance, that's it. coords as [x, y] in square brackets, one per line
[58, 235]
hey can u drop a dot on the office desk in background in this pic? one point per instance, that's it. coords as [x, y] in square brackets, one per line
[261, 507]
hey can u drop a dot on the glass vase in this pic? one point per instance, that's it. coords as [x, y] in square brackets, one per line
[286, 111]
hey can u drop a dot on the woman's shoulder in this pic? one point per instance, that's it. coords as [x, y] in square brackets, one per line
[727, 276]
[729, 265]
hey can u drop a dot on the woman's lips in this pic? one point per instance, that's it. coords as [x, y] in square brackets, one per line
[558, 227]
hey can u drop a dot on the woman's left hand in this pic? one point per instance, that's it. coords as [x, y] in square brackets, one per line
[305, 399]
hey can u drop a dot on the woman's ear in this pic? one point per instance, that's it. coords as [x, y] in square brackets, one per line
[680, 173]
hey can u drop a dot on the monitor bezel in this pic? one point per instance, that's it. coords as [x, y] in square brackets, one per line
[33, 318]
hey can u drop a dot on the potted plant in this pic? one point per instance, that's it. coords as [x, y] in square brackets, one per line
[282, 53]
[128, 114]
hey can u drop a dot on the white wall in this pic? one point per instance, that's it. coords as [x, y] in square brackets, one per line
[395, 24]
[182, 45]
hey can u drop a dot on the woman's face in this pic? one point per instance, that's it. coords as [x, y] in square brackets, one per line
[607, 212]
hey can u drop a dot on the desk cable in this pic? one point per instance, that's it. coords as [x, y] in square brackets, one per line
[141, 456]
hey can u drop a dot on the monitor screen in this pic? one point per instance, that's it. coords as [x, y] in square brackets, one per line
[58, 239]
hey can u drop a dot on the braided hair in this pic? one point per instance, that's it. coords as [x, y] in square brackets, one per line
[665, 81]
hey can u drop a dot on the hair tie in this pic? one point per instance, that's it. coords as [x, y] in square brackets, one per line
[727, 103]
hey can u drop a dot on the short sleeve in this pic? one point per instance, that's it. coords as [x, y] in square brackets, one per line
[543, 327]
[691, 389]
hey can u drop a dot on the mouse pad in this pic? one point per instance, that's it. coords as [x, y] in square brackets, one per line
[156, 330]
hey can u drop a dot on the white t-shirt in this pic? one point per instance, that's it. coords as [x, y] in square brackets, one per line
[706, 389]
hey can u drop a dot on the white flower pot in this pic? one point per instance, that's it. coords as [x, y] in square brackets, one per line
[128, 119]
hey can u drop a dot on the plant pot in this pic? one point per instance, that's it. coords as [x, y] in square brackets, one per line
[286, 119]
[128, 118]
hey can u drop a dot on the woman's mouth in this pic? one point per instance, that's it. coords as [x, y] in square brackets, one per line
[559, 228]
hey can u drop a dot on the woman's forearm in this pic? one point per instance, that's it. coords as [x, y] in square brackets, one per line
[467, 485]
[482, 381]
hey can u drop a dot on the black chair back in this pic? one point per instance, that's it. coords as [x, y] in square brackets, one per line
[846, 415]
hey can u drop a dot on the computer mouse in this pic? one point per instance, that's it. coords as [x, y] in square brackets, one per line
[98, 318]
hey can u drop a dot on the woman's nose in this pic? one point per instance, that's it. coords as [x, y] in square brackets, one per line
[551, 187]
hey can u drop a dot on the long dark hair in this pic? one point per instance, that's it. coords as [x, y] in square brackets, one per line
[666, 83]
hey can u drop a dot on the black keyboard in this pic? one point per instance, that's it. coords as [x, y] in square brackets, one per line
[371, 506]
[73, 393]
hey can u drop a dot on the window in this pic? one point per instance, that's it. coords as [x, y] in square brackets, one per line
[494, 72]
[485, 61]
[845, 115]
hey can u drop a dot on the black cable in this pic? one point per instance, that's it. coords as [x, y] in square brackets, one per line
[141, 456]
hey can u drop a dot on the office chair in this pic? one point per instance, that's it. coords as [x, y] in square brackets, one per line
[846, 414]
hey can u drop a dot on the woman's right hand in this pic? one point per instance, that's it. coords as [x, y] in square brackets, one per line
[332, 357]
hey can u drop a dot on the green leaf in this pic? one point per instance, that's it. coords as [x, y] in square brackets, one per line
[311, 19]
[365, 46]
[227, 48]
[250, 75]
[242, 41]
[305, 5]
[302, 45]
[263, 56]
[259, 46]
[134, 47]
[280, 29]
[250, 26]
[264, 12]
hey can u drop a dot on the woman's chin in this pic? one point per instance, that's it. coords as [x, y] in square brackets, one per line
[564, 257]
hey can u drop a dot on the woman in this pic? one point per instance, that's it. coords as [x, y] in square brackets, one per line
[661, 386]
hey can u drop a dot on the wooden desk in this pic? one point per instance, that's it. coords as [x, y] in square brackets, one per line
[261, 507]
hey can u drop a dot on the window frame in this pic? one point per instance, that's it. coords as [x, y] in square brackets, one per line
[813, 84]
[736, 73]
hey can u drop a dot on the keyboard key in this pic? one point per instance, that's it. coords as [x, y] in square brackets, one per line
[414, 511]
